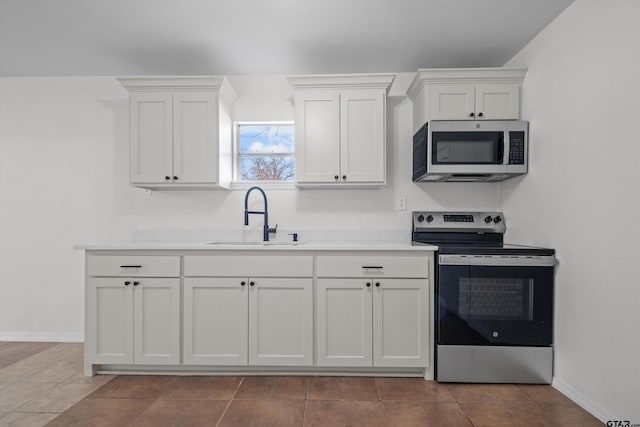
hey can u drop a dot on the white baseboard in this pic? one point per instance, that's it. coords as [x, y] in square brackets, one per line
[587, 404]
[40, 337]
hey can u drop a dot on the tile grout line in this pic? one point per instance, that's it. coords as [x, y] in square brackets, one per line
[226, 408]
[306, 401]
[464, 413]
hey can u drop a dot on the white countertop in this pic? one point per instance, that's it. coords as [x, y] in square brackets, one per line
[260, 246]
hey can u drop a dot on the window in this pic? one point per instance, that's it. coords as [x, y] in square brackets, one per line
[264, 151]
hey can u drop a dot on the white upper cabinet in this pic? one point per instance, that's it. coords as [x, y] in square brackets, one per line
[466, 94]
[340, 129]
[180, 132]
[151, 142]
[317, 136]
[362, 148]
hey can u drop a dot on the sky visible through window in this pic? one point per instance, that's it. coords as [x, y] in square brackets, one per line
[265, 152]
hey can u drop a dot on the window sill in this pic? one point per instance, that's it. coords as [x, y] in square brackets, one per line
[265, 185]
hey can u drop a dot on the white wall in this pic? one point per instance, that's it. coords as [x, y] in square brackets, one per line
[64, 181]
[582, 195]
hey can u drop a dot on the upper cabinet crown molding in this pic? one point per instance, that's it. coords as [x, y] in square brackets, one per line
[209, 83]
[465, 75]
[342, 81]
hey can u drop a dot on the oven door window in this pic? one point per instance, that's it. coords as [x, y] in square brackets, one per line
[481, 298]
[463, 148]
[481, 305]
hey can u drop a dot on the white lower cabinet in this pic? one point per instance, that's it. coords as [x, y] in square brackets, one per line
[372, 310]
[344, 322]
[133, 320]
[260, 321]
[281, 322]
[215, 321]
[248, 309]
[295, 309]
[372, 322]
[400, 323]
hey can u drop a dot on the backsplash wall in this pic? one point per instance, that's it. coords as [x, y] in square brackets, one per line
[64, 181]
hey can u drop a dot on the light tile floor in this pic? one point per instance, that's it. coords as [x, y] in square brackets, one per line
[42, 384]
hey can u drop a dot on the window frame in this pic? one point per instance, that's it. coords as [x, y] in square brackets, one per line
[237, 157]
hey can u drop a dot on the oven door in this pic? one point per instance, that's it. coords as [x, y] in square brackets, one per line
[495, 300]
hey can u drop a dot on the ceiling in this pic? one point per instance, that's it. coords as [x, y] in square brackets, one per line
[202, 37]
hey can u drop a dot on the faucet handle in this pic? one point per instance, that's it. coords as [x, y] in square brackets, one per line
[273, 230]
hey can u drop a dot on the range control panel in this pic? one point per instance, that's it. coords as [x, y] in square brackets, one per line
[490, 222]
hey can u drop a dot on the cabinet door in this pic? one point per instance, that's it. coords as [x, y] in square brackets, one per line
[344, 322]
[498, 101]
[400, 323]
[156, 323]
[281, 322]
[151, 124]
[215, 321]
[110, 320]
[452, 102]
[362, 136]
[317, 136]
[195, 141]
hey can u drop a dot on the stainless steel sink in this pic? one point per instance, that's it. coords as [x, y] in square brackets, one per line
[237, 243]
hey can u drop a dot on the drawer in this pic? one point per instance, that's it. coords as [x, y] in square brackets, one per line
[133, 266]
[248, 266]
[373, 266]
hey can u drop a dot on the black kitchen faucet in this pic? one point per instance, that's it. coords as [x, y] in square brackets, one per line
[266, 229]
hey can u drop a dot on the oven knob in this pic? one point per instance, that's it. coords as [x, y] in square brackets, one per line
[420, 218]
[429, 218]
[497, 219]
[488, 219]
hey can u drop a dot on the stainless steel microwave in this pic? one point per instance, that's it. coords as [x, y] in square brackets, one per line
[490, 150]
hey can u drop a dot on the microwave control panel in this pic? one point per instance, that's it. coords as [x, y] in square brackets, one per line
[516, 148]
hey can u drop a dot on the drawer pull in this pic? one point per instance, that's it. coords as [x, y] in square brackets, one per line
[377, 267]
[130, 266]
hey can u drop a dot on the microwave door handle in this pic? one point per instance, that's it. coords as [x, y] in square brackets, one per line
[507, 145]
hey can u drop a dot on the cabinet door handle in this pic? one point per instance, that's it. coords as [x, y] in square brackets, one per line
[167, 177]
[127, 283]
[252, 283]
[130, 266]
[344, 177]
[378, 284]
[368, 284]
[243, 283]
[136, 283]
[480, 115]
[336, 177]
[175, 178]
[472, 115]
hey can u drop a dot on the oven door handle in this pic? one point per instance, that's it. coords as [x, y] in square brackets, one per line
[498, 260]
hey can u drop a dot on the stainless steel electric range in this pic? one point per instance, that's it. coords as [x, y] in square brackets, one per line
[494, 301]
